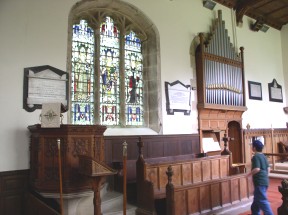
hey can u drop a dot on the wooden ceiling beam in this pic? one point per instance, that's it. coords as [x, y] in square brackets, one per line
[264, 11]
[276, 10]
[242, 7]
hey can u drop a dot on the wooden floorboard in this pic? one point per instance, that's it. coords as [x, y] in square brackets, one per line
[274, 195]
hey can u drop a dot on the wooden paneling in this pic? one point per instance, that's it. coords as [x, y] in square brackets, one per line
[181, 198]
[208, 197]
[13, 186]
[215, 196]
[201, 167]
[235, 190]
[224, 168]
[154, 146]
[205, 202]
[193, 198]
[215, 123]
[206, 170]
[244, 188]
[186, 174]
[9, 203]
[196, 175]
[215, 169]
[225, 193]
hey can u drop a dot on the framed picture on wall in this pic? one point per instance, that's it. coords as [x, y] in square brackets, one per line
[275, 91]
[255, 90]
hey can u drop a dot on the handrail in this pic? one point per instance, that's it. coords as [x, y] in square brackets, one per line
[275, 154]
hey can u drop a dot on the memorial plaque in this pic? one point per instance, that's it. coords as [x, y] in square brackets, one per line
[44, 84]
[178, 97]
[275, 91]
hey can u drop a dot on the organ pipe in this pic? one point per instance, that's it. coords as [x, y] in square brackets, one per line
[220, 70]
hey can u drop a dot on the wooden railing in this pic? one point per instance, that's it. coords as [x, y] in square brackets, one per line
[271, 139]
[273, 155]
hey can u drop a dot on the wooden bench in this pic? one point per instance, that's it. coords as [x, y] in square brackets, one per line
[188, 169]
[207, 197]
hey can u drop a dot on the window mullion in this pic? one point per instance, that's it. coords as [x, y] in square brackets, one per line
[122, 78]
[97, 76]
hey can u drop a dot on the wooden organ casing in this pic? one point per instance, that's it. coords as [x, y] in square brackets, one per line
[220, 87]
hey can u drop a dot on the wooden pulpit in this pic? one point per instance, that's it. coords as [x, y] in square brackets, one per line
[76, 141]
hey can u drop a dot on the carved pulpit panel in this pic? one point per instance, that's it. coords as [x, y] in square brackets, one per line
[75, 140]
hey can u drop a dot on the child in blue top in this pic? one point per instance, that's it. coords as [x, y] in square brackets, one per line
[260, 170]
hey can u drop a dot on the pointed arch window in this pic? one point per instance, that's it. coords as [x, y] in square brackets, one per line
[114, 61]
[133, 80]
[100, 78]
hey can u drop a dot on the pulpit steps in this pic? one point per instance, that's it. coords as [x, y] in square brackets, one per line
[111, 204]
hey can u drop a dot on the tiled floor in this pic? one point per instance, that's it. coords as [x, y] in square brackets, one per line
[274, 196]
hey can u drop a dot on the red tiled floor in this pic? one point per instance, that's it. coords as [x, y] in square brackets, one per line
[274, 195]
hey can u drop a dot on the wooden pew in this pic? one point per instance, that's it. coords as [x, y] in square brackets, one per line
[209, 196]
[155, 146]
[151, 175]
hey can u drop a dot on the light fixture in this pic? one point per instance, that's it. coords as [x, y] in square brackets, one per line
[209, 4]
[259, 25]
[264, 28]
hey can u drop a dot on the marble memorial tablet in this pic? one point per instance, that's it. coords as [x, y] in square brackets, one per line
[178, 97]
[44, 84]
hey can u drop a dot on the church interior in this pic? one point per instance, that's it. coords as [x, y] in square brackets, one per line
[141, 107]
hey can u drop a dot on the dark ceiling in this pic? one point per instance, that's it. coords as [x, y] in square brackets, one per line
[273, 13]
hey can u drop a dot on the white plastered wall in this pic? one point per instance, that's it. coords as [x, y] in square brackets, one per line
[34, 33]
[284, 39]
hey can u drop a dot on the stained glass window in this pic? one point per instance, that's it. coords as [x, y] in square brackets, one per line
[109, 68]
[84, 81]
[133, 80]
[82, 75]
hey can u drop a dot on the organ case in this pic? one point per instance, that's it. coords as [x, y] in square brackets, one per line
[220, 86]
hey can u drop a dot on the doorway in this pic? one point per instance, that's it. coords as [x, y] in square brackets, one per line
[235, 145]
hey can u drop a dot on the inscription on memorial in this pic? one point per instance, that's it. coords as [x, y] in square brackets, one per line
[178, 97]
[275, 91]
[44, 84]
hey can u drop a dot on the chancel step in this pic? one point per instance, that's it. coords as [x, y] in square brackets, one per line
[280, 171]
